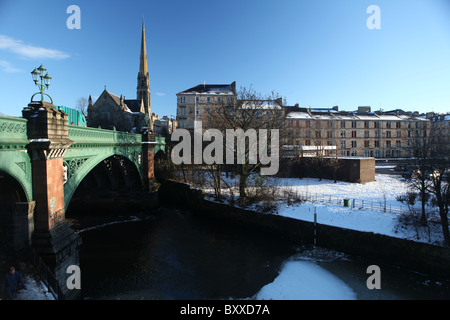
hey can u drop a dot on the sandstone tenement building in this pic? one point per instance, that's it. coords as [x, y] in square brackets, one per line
[193, 104]
[362, 133]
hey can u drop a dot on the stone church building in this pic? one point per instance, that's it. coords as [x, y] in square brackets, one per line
[111, 111]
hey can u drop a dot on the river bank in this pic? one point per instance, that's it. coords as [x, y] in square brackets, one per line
[417, 256]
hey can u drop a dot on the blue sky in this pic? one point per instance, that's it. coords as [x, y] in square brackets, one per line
[316, 53]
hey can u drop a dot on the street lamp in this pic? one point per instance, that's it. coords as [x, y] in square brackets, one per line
[41, 74]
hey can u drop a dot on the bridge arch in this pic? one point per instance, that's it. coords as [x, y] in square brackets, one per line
[14, 223]
[17, 165]
[79, 168]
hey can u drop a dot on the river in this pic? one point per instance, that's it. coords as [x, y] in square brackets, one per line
[173, 254]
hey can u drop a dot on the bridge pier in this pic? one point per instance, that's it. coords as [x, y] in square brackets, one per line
[53, 239]
[148, 161]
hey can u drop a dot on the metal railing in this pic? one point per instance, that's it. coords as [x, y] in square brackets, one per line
[357, 204]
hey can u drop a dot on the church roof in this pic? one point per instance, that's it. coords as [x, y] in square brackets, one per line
[116, 100]
[133, 105]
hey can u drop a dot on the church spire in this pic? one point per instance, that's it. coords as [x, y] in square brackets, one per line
[143, 83]
[143, 68]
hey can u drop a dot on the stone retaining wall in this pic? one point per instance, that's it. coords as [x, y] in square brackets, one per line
[409, 254]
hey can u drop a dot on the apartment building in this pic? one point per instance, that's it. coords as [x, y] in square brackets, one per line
[440, 128]
[194, 104]
[359, 134]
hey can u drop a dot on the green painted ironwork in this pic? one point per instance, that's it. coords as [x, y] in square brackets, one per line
[160, 145]
[91, 146]
[14, 159]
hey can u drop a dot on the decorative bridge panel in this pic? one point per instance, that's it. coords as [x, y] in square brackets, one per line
[14, 159]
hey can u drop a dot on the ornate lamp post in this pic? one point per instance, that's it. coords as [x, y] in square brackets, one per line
[40, 73]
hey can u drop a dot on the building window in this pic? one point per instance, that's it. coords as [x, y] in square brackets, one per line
[398, 125]
[376, 124]
[353, 144]
[398, 144]
[366, 134]
[354, 153]
[343, 144]
[353, 134]
[388, 134]
[329, 134]
[197, 99]
[388, 144]
[208, 100]
[182, 112]
[182, 99]
[367, 144]
[377, 153]
[377, 144]
[343, 124]
[366, 153]
[366, 124]
[343, 133]
[388, 125]
[354, 124]
[307, 143]
[183, 123]
[318, 134]
[219, 99]
[308, 133]
[197, 111]
[399, 134]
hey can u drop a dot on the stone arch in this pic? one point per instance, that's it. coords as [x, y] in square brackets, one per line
[87, 165]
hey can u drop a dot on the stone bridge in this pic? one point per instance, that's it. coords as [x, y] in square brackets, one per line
[43, 160]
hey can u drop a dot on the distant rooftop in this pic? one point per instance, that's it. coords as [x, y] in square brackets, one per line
[225, 89]
[363, 113]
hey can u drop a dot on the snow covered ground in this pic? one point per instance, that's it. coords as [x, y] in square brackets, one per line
[376, 207]
[35, 290]
[368, 214]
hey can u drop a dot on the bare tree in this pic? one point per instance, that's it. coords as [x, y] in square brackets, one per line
[440, 179]
[441, 190]
[82, 105]
[334, 164]
[249, 111]
[421, 144]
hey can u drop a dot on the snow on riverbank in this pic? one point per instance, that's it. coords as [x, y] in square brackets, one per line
[384, 190]
[35, 290]
[368, 215]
